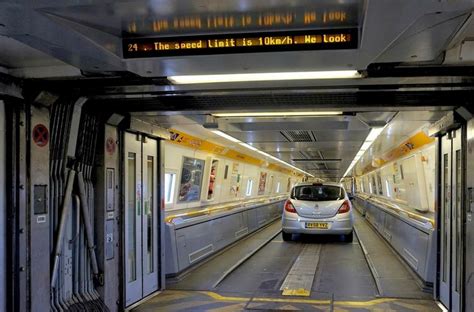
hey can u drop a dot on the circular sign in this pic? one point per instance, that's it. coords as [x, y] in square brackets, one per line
[40, 135]
[110, 145]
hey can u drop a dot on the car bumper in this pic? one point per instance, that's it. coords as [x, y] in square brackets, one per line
[336, 225]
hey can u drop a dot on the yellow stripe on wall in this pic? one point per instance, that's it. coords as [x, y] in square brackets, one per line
[415, 142]
[187, 140]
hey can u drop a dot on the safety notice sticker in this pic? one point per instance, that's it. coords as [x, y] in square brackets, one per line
[110, 145]
[40, 135]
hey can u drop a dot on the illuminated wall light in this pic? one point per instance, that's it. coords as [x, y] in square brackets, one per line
[366, 146]
[336, 74]
[277, 114]
[371, 137]
[249, 146]
[374, 133]
[226, 136]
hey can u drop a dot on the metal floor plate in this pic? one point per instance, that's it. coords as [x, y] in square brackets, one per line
[299, 280]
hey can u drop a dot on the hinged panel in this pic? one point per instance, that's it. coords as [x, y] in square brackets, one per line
[39, 199]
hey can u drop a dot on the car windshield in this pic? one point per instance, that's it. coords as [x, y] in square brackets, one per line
[318, 192]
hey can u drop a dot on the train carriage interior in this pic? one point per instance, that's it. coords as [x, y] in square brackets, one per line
[175, 155]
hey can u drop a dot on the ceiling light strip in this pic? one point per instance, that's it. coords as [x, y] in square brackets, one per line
[316, 160]
[279, 114]
[193, 79]
[225, 136]
[373, 135]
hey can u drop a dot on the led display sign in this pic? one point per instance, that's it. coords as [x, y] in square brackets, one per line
[317, 15]
[328, 39]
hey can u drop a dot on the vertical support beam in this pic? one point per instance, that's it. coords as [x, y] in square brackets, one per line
[21, 228]
[469, 220]
[436, 233]
[39, 246]
[107, 218]
[161, 215]
[3, 210]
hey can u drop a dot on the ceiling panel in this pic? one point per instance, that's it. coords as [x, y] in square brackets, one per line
[341, 135]
[298, 126]
[305, 146]
[258, 136]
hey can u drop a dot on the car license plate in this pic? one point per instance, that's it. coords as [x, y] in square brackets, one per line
[316, 225]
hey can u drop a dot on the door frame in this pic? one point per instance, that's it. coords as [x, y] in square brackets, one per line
[132, 147]
[159, 250]
[462, 130]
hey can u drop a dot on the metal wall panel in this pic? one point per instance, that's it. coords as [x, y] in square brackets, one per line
[375, 216]
[411, 243]
[3, 190]
[108, 217]
[187, 244]
[39, 212]
[252, 220]
[193, 239]
[20, 211]
[171, 245]
[414, 243]
[469, 222]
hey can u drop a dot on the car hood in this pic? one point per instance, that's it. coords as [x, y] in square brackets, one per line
[317, 209]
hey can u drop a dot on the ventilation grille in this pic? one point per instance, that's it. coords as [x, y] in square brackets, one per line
[297, 136]
[195, 256]
[241, 232]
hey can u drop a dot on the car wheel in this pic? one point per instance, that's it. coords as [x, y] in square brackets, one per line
[349, 237]
[286, 236]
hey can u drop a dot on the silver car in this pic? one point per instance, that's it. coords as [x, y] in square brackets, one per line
[316, 208]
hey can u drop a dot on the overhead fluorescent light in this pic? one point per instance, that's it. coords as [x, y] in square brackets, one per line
[366, 145]
[335, 74]
[225, 135]
[373, 134]
[285, 163]
[316, 160]
[232, 139]
[249, 146]
[371, 137]
[278, 114]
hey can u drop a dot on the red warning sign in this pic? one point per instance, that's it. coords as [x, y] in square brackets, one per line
[110, 145]
[40, 135]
